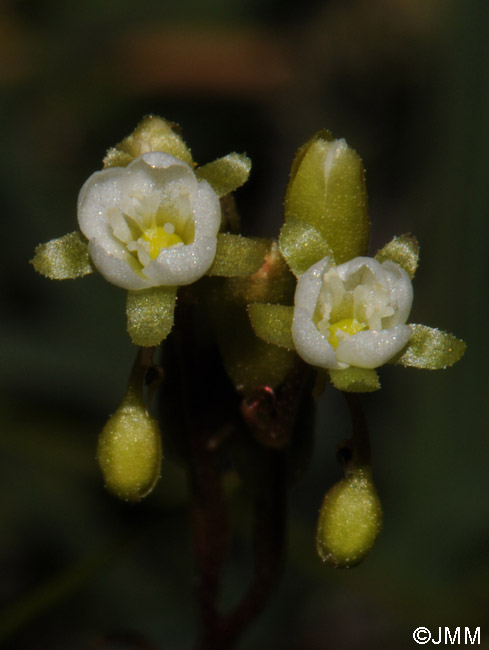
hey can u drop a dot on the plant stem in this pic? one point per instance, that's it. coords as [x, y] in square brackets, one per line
[360, 439]
[210, 536]
[269, 548]
[202, 393]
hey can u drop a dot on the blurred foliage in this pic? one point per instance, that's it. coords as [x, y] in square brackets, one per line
[406, 82]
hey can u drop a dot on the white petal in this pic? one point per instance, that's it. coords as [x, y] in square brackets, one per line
[115, 269]
[152, 181]
[310, 344]
[158, 167]
[179, 265]
[119, 225]
[161, 160]
[142, 249]
[373, 348]
[100, 192]
[347, 269]
[401, 293]
[207, 212]
[309, 285]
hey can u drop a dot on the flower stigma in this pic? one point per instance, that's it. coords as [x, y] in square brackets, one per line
[342, 329]
[160, 237]
[150, 228]
[346, 307]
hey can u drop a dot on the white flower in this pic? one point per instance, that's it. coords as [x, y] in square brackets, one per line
[151, 223]
[353, 314]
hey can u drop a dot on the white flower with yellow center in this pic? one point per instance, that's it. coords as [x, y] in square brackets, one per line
[353, 314]
[151, 223]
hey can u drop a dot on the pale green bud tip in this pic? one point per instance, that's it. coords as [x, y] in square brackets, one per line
[129, 450]
[349, 521]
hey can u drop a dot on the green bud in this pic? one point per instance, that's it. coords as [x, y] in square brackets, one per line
[327, 191]
[129, 449]
[349, 521]
[153, 133]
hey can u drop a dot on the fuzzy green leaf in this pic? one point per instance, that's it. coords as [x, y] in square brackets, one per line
[237, 255]
[355, 380]
[65, 258]
[226, 174]
[327, 189]
[153, 133]
[403, 250]
[273, 323]
[431, 349]
[150, 314]
[301, 244]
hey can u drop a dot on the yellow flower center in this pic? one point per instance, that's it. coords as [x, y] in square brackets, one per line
[344, 328]
[159, 237]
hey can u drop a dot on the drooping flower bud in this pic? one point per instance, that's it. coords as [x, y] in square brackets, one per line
[349, 521]
[129, 449]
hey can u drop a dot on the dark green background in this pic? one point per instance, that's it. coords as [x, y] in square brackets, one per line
[407, 83]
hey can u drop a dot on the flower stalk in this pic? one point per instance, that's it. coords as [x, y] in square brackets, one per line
[205, 387]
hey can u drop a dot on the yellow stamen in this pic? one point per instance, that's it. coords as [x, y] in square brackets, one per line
[342, 329]
[159, 238]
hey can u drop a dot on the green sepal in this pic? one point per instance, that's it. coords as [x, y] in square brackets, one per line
[403, 250]
[226, 174]
[301, 244]
[150, 314]
[431, 349]
[273, 323]
[153, 133]
[327, 189]
[273, 282]
[64, 258]
[355, 380]
[249, 361]
[237, 255]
